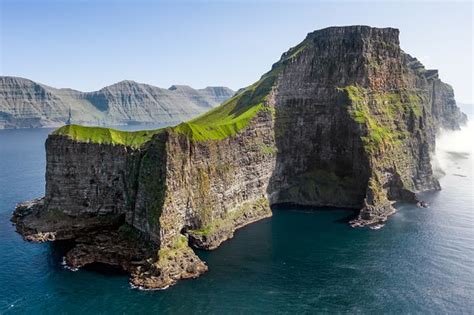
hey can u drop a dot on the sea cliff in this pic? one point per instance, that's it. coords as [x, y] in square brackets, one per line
[344, 119]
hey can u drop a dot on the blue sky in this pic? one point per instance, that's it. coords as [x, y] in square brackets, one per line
[89, 44]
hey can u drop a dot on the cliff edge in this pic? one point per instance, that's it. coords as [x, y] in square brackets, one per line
[344, 119]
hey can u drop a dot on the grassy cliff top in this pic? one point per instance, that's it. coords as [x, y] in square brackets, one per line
[219, 123]
[133, 139]
[236, 113]
[229, 118]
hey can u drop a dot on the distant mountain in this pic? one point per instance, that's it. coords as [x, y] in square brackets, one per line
[28, 104]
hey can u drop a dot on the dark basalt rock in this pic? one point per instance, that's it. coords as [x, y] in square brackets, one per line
[349, 121]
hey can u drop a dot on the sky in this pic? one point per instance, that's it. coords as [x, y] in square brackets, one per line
[88, 44]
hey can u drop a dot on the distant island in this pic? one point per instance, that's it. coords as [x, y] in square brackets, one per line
[28, 104]
[345, 119]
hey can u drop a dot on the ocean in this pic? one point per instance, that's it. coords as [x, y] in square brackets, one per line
[298, 261]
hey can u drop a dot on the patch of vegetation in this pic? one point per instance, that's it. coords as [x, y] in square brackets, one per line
[378, 113]
[134, 139]
[232, 116]
[228, 220]
[355, 93]
[295, 51]
[219, 123]
[204, 231]
[378, 195]
[179, 244]
[267, 149]
[225, 170]
[236, 113]
[415, 102]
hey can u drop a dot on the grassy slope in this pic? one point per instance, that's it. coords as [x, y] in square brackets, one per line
[379, 112]
[219, 123]
[235, 114]
[232, 116]
[132, 139]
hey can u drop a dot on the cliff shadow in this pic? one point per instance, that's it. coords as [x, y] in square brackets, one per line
[150, 188]
[352, 213]
[320, 159]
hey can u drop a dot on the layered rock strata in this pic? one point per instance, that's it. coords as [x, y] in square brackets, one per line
[344, 119]
[28, 104]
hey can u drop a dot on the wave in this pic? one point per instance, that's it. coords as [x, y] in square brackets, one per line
[452, 147]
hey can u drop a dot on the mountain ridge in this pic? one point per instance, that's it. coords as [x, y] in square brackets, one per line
[25, 103]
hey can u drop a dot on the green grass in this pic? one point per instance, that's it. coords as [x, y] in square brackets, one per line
[204, 231]
[267, 149]
[378, 112]
[217, 124]
[236, 113]
[233, 115]
[134, 139]
[221, 123]
[295, 51]
[228, 221]
[178, 245]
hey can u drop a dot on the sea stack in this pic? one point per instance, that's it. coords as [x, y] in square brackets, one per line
[344, 119]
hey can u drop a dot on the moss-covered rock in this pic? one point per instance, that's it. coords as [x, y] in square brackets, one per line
[211, 235]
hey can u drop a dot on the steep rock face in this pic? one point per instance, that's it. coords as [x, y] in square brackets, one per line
[321, 160]
[344, 119]
[355, 123]
[26, 104]
[83, 178]
[214, 187]
[131, 102]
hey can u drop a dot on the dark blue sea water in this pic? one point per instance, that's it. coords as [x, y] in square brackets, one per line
[422, 261]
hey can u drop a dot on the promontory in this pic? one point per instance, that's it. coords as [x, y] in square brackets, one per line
[345, 119]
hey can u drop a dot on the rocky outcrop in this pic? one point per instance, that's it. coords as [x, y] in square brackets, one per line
[344, 119]
[27, 104]
[367, 116]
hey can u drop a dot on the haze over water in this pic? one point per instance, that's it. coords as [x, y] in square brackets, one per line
[297, 261]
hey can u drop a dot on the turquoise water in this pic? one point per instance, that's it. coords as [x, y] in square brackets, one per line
[295, 262]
